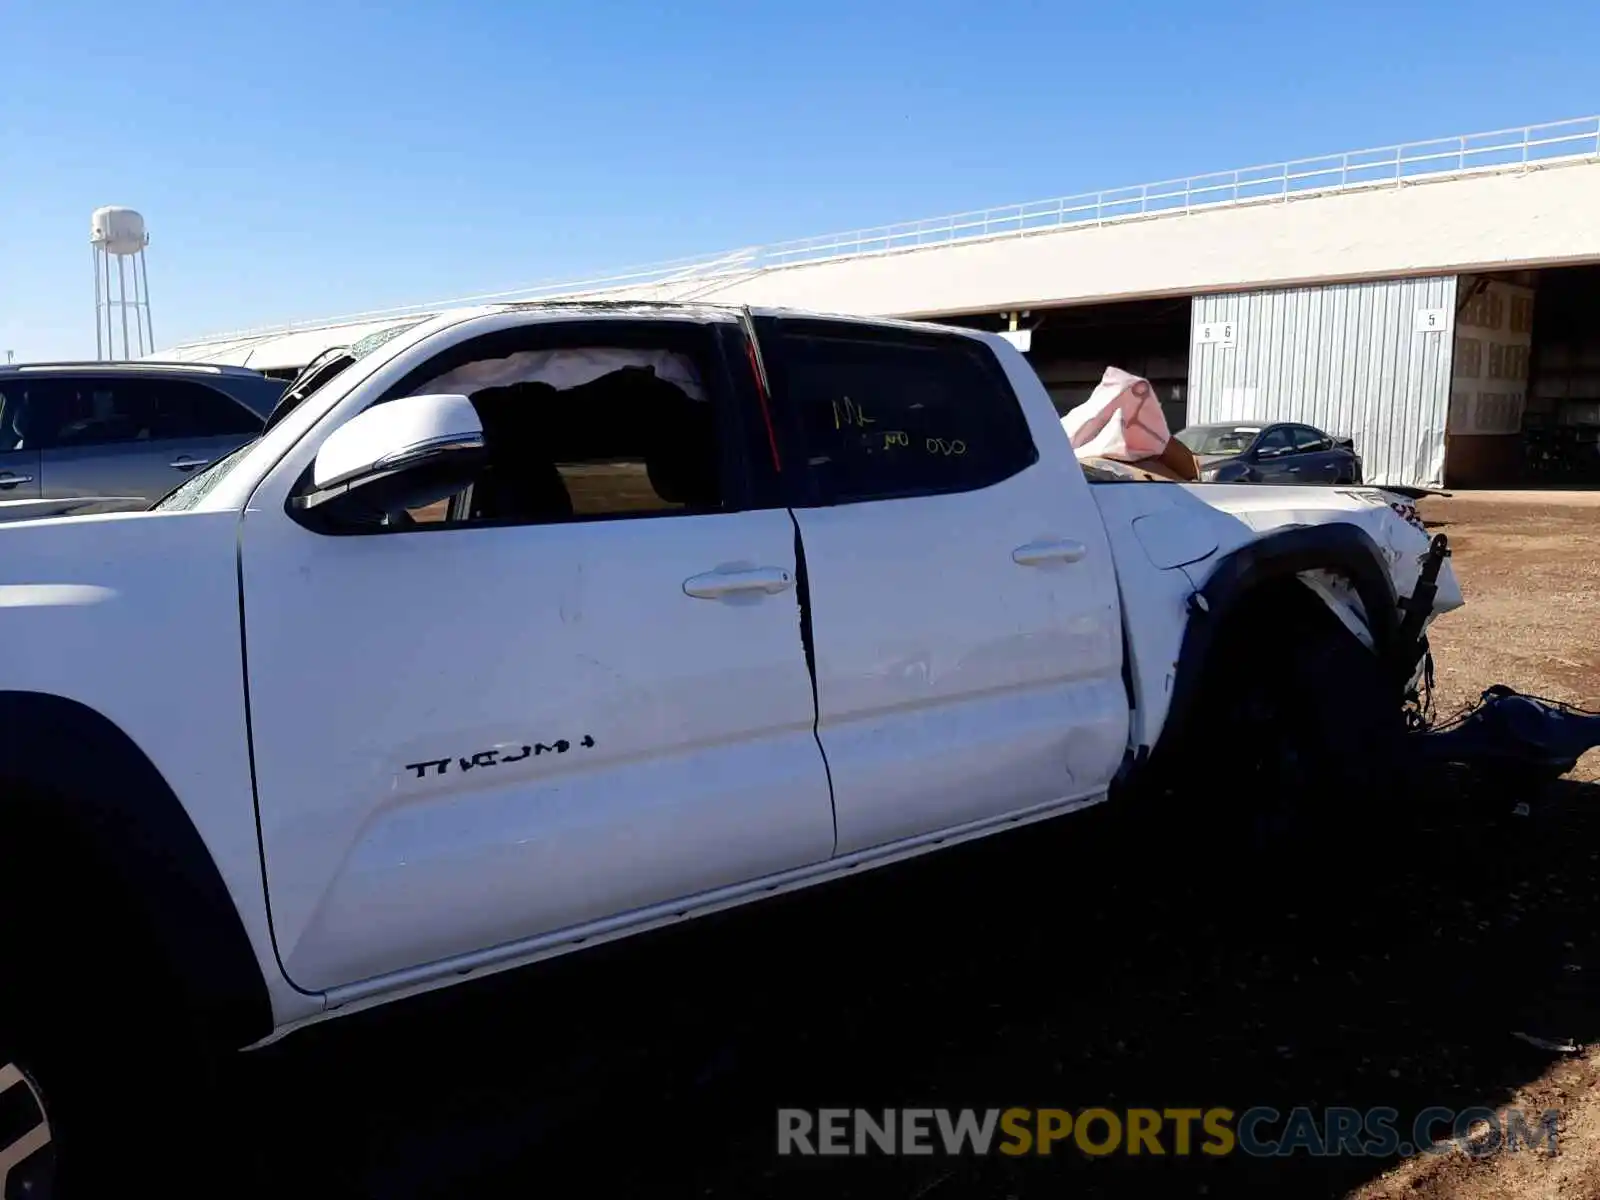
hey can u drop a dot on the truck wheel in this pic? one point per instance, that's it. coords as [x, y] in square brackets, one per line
[82, 1113]
[1307, 734]
[27, 1138]
[101, 1079]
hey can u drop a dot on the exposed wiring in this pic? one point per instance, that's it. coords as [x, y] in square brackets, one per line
[1419, 709]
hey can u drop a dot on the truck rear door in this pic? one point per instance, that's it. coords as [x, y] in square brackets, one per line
[961, 592]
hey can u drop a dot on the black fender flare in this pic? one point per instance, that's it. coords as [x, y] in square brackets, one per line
[1339, 547]
[61, 753]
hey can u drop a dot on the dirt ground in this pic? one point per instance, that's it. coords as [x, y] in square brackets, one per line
[1529, 563]
[1111, 959]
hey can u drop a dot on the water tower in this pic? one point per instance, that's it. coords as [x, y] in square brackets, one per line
[119, 233]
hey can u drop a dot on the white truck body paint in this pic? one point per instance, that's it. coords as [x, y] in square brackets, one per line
[36, 510]
[156, 651]
[1175, 537]
[433, 976]
[969, 655]
[703, 771]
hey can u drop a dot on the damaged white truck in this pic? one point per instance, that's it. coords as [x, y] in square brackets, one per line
[529, 627]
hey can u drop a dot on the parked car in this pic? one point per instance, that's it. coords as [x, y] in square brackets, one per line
[99, 436]
[1271, 452]
[540, 626]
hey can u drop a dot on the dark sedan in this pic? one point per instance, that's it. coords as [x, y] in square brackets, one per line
[1270, 452]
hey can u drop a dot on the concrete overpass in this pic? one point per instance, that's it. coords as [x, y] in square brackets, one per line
[1465, 204]
[1345, 249]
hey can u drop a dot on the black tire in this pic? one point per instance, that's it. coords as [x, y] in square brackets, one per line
[94, 1041]
[1307, 731]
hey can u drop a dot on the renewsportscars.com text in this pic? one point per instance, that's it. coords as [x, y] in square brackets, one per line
[1259, 1131]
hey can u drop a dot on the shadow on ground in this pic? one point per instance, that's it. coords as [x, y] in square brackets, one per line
[1106, 959]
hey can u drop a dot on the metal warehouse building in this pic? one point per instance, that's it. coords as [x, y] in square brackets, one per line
[1439, 302]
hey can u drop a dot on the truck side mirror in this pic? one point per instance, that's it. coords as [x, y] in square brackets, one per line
[404, 447]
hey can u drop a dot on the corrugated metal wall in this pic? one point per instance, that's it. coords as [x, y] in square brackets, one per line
[1346, 358]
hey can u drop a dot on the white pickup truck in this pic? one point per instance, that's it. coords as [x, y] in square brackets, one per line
[536, 626]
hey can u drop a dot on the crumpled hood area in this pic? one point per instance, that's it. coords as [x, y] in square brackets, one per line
[1390, 519]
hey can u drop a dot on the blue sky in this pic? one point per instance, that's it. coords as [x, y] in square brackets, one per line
[298, 160]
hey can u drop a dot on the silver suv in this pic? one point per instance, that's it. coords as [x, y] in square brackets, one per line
[96, 436]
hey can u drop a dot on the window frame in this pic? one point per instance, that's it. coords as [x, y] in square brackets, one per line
[730, 390]
[53, 396]
[808, 487]
[1316, 443]
[11, 399]
[225, 398]
[1261, 441]
[54, 386]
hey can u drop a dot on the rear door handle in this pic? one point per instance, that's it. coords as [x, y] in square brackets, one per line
[8, 480]
[184, 463]
[1052, 550]
[714, 585]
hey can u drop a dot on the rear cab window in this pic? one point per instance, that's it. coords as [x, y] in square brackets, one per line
[882, 413]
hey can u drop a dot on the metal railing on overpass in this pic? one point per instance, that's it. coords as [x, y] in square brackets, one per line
[1499, 150]
[1393, 166]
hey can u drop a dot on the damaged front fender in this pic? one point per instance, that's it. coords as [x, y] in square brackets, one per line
[1360, 551]
[1396, 532]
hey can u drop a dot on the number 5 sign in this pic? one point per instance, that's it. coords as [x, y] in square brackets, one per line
[1432, 320]
[1216, 333]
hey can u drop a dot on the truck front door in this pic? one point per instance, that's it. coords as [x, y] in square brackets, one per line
[562, 707]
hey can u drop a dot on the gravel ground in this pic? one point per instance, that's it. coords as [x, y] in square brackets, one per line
[1530, 569]
[1529, 563]
[1102, 960]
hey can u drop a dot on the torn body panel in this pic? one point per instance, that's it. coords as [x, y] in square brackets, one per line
[1169, 539]
[1390, 519]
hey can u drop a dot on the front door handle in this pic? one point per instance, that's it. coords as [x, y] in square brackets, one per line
[184, 463]
[10, 480]
[1052, 550]
[714, 585]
